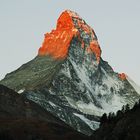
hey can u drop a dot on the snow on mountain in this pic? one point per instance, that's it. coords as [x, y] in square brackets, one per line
[69, 78]
[134, 85]
[93, 124]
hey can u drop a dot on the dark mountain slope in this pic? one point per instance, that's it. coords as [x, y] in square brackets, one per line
[22, 119]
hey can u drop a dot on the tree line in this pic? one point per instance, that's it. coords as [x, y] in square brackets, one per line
[114, 117]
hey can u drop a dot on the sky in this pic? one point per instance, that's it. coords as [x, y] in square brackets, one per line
[23, 24]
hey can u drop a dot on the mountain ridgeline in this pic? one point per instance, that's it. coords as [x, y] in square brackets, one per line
[69, 79]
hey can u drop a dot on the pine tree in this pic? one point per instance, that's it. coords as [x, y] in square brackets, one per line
[103, 119]
[127, 108]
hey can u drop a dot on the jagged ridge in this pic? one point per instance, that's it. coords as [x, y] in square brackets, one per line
[57, 42]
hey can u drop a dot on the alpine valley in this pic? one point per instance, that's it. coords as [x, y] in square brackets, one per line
[69, 79]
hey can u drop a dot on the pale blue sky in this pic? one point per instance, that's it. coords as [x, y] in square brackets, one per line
[116, 23]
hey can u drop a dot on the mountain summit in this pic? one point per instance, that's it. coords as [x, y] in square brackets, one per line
[69, 78]
[69, 25]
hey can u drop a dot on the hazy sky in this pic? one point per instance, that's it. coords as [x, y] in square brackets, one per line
[116, 23]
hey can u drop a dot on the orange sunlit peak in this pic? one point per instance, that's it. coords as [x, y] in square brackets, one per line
[56, 43]
[122, 76]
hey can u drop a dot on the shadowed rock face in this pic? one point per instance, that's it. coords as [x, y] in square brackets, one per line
[13, 105]
[70, 79]
[22, 119]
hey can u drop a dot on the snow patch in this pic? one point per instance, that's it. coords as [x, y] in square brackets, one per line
[112, 81]
[89, 108]
[71, 102]
[52, 104]
[83, 75]
[114, 105]
[92, 124]
[21, 91]
[135, 86]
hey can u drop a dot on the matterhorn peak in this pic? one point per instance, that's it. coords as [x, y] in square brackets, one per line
[69, 25]
[69, 78]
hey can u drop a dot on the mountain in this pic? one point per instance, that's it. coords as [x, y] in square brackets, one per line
[22, 119]
[123, 126]
[69, 79]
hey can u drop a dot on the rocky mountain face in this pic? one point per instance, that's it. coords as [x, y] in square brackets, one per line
[69, 78]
